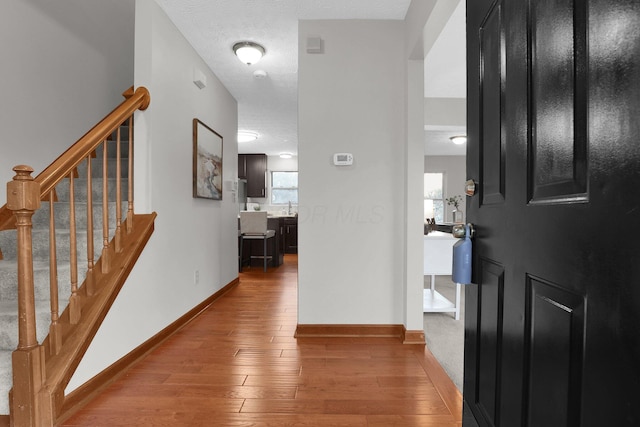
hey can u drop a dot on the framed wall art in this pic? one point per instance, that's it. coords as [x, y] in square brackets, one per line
[207, 162]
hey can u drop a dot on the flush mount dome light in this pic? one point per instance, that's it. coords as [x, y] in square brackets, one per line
[286, 155]
[247, 136]
[458, 139]
[248, 52]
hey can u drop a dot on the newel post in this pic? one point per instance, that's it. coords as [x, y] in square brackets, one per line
[23, 199]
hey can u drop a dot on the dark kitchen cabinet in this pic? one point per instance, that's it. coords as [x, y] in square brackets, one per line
[291, 235]
[242, 166]
[253, 168]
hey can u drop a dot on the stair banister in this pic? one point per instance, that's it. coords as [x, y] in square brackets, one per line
[37, 395]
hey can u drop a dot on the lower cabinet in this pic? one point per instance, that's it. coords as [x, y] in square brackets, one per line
[291, 235]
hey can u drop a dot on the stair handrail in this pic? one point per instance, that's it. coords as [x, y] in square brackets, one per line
[67, 161]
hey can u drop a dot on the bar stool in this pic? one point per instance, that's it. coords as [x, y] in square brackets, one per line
[253, 226]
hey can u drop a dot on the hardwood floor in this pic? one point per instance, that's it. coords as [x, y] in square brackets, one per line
[238, 364]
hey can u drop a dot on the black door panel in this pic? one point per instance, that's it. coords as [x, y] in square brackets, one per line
[553, 98]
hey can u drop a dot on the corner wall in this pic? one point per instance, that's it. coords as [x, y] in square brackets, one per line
[190, 234]
[352, 99]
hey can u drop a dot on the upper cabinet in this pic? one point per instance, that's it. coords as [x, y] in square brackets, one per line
[253, 168]
[242, 166]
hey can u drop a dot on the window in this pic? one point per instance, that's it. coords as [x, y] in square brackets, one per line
[434, 196]
[284, 188]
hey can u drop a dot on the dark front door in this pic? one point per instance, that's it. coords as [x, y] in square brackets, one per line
[553, 316]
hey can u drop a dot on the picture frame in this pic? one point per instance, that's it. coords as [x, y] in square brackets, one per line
[207, 162]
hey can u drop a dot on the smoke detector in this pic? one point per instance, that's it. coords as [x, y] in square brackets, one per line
[260, 74]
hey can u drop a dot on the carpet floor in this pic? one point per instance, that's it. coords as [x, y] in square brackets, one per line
[444, 334]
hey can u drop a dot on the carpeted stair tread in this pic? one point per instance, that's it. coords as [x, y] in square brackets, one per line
[41, 279]
[62, 214]
[80, 189]
[41, 244]
[6, 380]
[97, 168]
[9, 322]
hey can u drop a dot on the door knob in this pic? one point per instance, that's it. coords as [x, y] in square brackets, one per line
[470, 187]
[459, 231]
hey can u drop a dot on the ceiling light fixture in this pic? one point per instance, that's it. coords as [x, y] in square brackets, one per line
[247, 136]
[248, 52]
[286, 155]
[458, 139]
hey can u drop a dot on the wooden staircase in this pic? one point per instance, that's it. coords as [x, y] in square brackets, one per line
[85, 229]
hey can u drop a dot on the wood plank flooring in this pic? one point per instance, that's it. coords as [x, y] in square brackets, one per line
[238, 364]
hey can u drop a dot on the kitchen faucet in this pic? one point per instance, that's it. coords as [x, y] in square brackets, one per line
[289, 211]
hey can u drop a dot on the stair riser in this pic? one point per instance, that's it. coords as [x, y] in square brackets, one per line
[80, 190]
[9, 281]
[40, 249]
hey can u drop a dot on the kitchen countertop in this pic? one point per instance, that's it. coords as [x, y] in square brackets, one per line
[279, 215]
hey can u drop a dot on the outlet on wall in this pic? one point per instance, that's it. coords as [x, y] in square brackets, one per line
[196, 277]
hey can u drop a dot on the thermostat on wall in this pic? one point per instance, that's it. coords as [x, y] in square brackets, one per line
[343, 159]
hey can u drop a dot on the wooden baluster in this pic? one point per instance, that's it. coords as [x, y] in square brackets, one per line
[105, 211]
[55, 331]
[89, 283]
[74, 300]
[23, 198]
[118, 237]
[130, 180]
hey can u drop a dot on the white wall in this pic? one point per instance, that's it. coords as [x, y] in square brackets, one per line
[190, 234]
[276, 163]
[352, 99]
[455, 172]
[64, 67]
[445, 111]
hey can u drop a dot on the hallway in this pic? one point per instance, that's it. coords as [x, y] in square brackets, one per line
[238, 364]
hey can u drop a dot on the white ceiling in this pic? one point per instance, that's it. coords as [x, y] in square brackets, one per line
[445, 64]
[268, 106]
[445, 77]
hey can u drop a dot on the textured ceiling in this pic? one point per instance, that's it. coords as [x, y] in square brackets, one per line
[267, 106]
